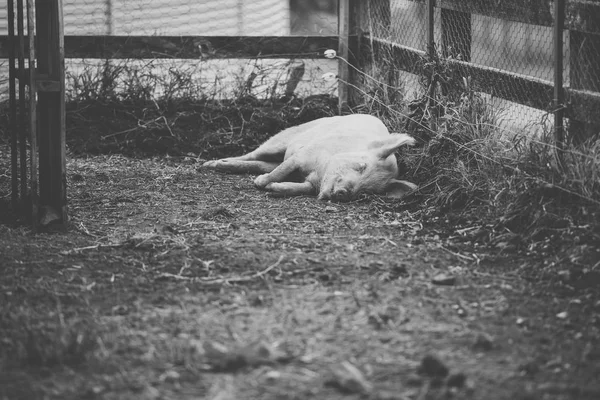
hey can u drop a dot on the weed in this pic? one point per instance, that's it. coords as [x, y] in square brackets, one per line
[470, 169]
[44, 342]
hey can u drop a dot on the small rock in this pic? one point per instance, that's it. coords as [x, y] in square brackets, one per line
[562, 315]
[564, 275]
[169, 376]
[483, 342]
[590, 353]
[460, 311]
[256, 300]
[220, 358]
[414, 380]
[444, 280]
[77, 178]
[418, 241]
[348, 379]
[529, 368]
[520, 321]
[48, 215]
[432, 367]
[399, 270]
[456, 380]
[120, 309]
[95, 391]
[273, 376]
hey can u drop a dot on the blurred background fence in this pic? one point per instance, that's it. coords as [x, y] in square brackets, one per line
[502, 50]
[218, 76]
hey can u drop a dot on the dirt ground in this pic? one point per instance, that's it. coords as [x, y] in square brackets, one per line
[177, 284]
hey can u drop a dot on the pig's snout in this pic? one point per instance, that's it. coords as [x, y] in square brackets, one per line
[341, 194]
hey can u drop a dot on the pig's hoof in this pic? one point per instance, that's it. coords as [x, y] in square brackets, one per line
[262, 181]
[211, 164]
[219, 165]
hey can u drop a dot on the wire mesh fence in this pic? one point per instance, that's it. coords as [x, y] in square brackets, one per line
[481, 37]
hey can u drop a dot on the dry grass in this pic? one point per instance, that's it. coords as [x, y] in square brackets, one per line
[475, 175]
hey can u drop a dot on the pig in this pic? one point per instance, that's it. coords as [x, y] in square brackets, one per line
[336, 158]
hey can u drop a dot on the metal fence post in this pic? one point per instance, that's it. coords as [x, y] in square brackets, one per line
[559, 98]
[343, 52]
[432, 54]
[430, 28]
[347, 51]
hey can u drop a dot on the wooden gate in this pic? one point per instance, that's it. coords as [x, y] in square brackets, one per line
[37, 111]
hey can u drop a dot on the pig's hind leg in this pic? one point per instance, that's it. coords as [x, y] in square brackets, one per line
[236, 166]
[260, 161]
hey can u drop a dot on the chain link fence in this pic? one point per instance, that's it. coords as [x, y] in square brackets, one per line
[481, 37]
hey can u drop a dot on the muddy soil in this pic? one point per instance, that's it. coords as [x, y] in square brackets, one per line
[176, 284]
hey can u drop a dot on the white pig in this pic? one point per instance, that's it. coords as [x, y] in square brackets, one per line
[336, 158]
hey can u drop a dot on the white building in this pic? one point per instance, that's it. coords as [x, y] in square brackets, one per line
[172, 17]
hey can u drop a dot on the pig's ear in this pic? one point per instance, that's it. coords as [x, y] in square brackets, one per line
[361, 167]
[397, 189]
[383, 148]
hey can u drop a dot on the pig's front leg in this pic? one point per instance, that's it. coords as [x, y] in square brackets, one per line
[279, 174]
[290, 188]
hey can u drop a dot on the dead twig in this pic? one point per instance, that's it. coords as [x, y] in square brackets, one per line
[93, 247]
[458, 254]
[226, 280]
[246, 278]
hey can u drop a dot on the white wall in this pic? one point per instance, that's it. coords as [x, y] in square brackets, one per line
[172, 17]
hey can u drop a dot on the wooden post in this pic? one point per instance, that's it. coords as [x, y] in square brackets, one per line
[347, 52]
[22, 120]
[33, 148]
[343, 53]
[12, 116]
[559, 98]
[584, 74]
[51, 110]
[431, 51]
[431, 29]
